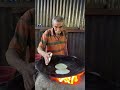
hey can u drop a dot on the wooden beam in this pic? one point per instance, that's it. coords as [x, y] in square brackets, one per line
[68, 29]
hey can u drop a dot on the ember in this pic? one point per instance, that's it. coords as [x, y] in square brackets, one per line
[70, 80]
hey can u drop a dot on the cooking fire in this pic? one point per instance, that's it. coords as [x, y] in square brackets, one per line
[73, 80]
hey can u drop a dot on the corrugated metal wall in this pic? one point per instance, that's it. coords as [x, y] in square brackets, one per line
[71, 10]
[76, 43]
[103, 46]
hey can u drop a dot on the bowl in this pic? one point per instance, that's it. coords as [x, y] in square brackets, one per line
[6, 73]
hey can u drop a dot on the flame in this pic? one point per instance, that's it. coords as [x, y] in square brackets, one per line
[70, 80]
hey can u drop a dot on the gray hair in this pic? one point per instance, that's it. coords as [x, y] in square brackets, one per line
[58, 19]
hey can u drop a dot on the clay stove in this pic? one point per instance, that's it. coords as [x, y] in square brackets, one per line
[76, 82]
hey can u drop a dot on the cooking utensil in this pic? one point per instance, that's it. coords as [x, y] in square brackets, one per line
[74, 64]
[50, 56]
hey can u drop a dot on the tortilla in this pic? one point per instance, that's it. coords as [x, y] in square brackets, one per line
[60, 66]
[62, 71]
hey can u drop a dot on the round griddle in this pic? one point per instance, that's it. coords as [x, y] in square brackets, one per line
[74, 64]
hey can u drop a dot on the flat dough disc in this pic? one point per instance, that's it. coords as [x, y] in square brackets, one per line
[62, 71]
[60, 66]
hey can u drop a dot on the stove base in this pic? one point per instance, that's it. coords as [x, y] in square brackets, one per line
[43, 83]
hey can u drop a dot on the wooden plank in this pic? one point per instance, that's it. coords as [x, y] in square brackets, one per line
[68, 29]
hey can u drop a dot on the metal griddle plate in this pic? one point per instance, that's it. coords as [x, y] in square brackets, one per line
[74, 64]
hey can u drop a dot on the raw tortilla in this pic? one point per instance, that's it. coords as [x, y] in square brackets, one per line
[62, 71]
[60, 66]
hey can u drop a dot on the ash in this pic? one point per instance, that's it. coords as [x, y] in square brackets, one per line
[44, 83]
